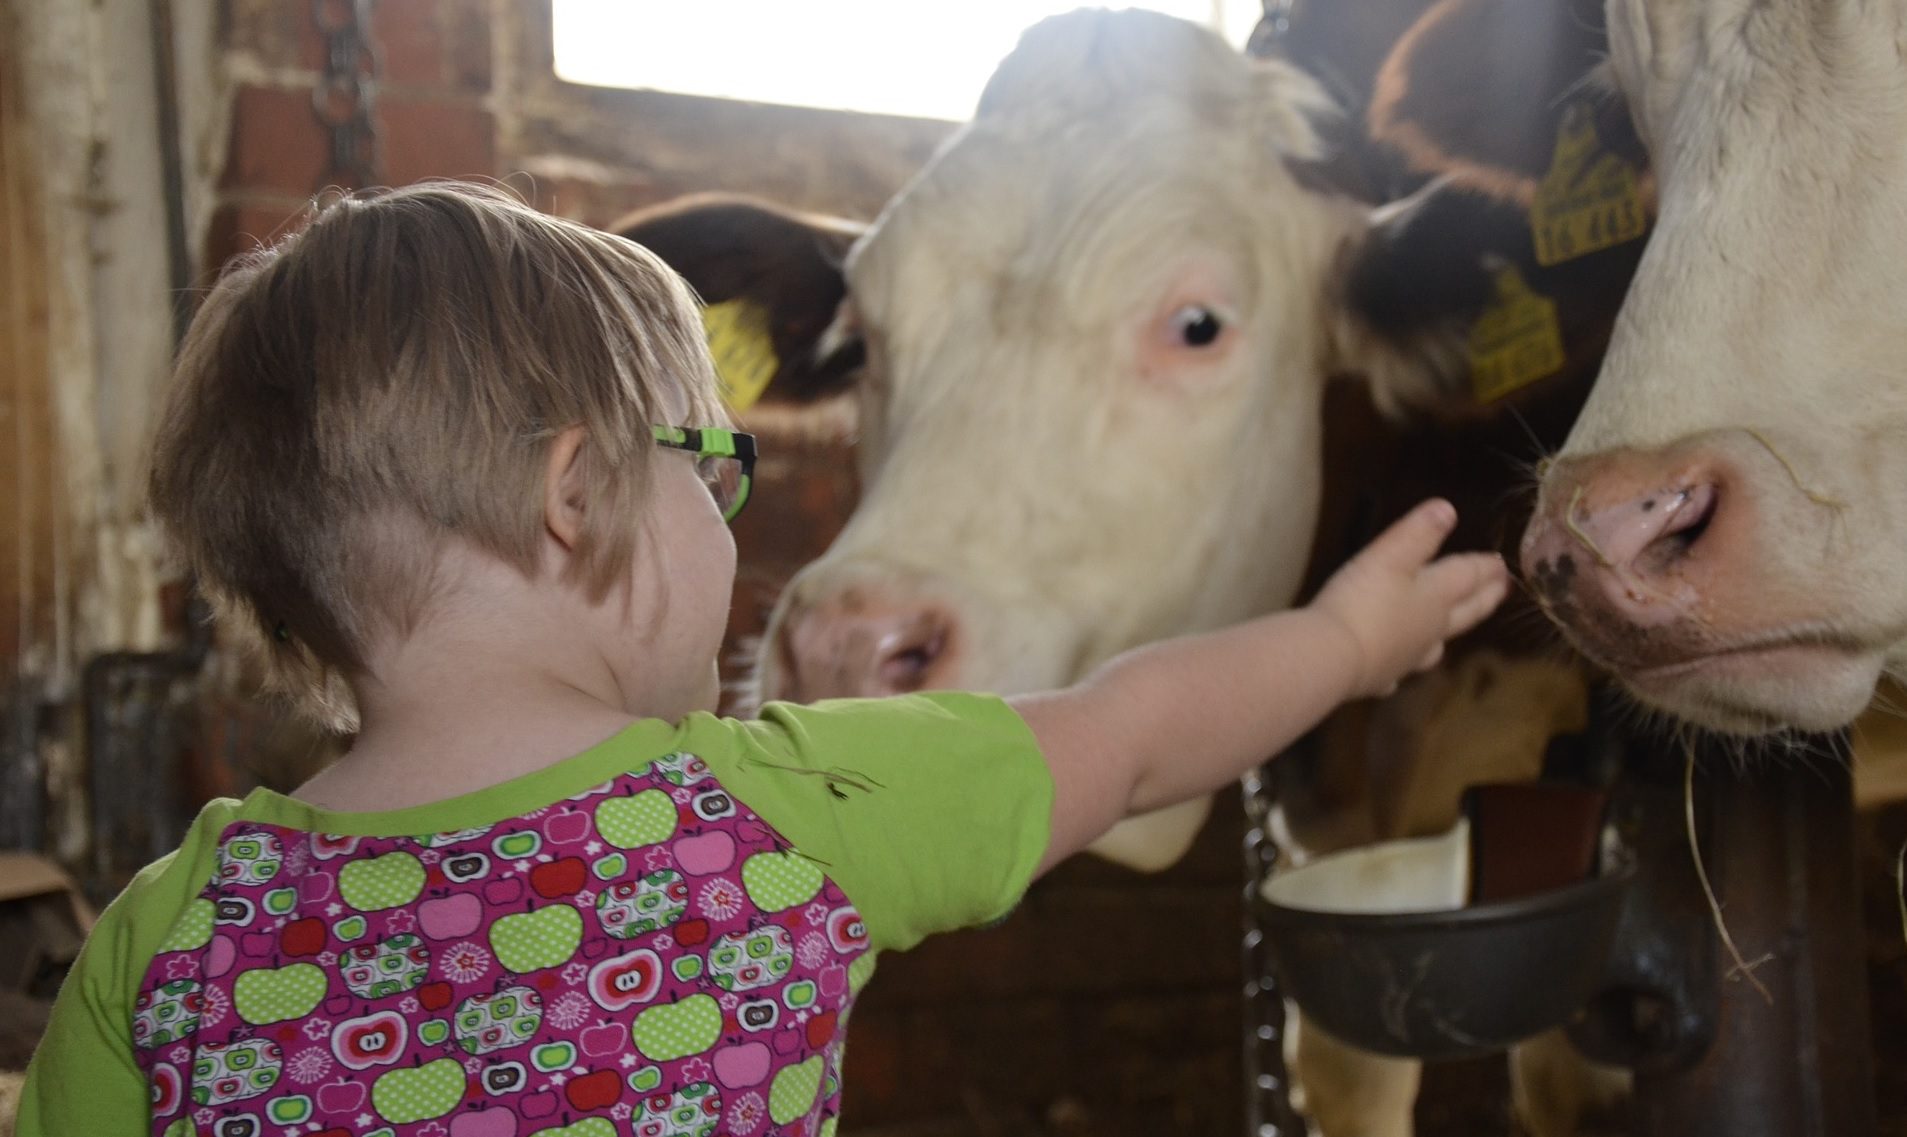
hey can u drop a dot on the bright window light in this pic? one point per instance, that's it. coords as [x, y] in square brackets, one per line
[895, 57]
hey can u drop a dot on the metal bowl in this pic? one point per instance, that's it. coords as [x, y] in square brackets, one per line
[1439, 984]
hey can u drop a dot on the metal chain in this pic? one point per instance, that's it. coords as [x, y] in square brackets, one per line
[1268, 1111]
[346, 93]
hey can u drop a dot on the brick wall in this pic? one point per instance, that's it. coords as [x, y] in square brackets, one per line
[432, 107]
[466, 88]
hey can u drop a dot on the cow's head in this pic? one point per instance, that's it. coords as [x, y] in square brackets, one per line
[1096, 332]
[1726, 524]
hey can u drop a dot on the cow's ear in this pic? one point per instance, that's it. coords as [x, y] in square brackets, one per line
[783, 266]
[1474, 92]
[1404, 294]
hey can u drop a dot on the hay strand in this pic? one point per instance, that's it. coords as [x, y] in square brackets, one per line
[1808, 492]
[1582, 537]
[1900, 887]
[1746, 969]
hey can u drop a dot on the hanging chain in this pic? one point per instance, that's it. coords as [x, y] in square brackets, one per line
[346, 93]
[1268, 1111]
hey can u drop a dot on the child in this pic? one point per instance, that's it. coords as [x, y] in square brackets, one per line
[441, 454]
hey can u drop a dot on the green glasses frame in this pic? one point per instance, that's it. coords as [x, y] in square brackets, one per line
[714, 442]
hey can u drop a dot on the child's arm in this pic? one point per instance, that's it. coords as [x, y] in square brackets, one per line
[1180, 718]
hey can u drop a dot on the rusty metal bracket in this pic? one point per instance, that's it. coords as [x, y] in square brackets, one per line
[345, 97]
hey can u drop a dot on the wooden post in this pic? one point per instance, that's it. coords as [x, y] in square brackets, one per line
[1778, 840]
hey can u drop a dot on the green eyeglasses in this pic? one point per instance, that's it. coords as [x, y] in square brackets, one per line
[725, 459]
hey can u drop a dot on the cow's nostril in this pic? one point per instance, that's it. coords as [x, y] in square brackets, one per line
[1690, 513]
[1693, 512]
[905, 668]
[852, 645]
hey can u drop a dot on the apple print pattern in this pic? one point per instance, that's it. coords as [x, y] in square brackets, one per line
[392, 967]
[646, 958]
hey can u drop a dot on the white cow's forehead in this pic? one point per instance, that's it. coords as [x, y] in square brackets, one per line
[1112, 207]
[1101, 134]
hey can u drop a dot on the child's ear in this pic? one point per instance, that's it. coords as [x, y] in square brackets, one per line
[564, 487]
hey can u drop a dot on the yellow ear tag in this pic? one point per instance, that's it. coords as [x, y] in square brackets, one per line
[744, 355]
[1589, 200]
[1516, 341]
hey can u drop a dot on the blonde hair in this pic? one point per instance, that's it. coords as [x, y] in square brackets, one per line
[393, 376]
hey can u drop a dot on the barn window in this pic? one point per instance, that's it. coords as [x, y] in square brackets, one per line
[873, 56]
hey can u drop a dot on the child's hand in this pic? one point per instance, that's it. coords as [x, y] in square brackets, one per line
[1399, 606]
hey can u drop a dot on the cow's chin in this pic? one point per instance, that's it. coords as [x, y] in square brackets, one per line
[1749, 693]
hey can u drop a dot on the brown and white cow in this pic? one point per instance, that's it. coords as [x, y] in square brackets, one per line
[1724, 528]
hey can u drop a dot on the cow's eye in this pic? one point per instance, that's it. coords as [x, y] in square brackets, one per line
[1198, 326]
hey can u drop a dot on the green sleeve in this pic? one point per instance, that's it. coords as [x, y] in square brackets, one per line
[83, 1078]
[930, 811]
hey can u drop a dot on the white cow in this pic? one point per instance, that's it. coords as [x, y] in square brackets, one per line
[1724, 527]
[1097, 330]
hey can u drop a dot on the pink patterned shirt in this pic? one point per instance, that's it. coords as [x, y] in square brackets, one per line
[668, 947]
